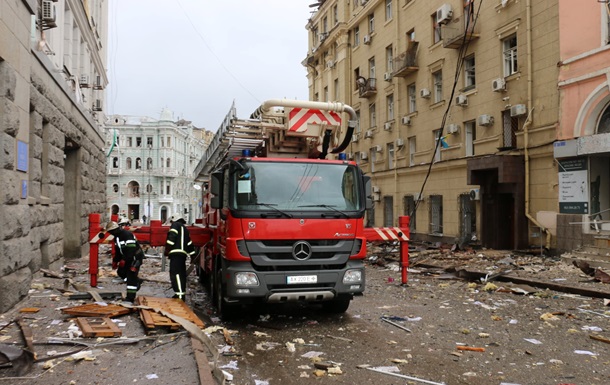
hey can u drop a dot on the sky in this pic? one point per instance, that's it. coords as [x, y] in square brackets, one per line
[195, 57]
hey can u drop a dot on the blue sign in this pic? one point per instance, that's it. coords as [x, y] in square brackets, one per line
[22, 156]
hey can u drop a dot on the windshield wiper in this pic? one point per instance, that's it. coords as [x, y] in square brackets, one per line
[327, 207]
[272, 206]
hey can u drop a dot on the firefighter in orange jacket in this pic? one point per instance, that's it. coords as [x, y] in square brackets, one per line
[177, 247]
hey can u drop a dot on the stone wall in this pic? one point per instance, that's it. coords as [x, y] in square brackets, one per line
[45, 208]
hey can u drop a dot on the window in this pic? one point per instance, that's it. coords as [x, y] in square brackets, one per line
[436, 214]
[149, 141]
[149, 163]
[162, 143]
[356, 36]
[470, 129]
[437, 78]
[168, 189]
[336, 87]
[510, 125]
[409, 210]
[115, 188]
[388, 210]
[412, 96]
[168, 162]
[129, 143]
[412, 149]
[390, 104]
[169, 141]
[371, 23]
[357, 129]
[128, 163]
[373, 158]
[372, 68]
[372, 115]
[436, 28]
[326, 93]
[509, 48]
[391, 156]
[469, 73]
[138, 164]
[388, 10]
[325, 25]
[389, 59]
[335, 15]
[115, 162]
[139, 141]
[437, 145]
[149, 188]
[468, 14]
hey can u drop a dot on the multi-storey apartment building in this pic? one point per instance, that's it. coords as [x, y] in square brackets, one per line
[583, 151]
[458, 109]
[53, 169]
[150, 166]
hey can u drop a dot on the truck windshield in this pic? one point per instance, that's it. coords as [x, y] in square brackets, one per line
[296, 186]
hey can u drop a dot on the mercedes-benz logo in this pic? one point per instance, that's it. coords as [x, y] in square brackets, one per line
[301, 250]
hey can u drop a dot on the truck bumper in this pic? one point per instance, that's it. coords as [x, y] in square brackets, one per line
[282, 286]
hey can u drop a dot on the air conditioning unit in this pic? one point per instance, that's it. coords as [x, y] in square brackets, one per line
[364, 155]
[498, 85]
[387, 126]
[98, 83]
[83, 81]
[461, 100]
[406, 120]
[424, 93]
[387, 76]
[376, 189]
[356, 137]
[369, 134]
[377, 148]
[350, 155]
[400, 142]
[485, 120]
[97, 106]
[330, 64]
[367, 39]
[418, 197]
[453, 128]
[518, 110]
[444, 14]
[49, 13]
[475, 194]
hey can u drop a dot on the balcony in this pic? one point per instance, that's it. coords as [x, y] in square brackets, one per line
[455, 35]
[366, 87]
[406, 63]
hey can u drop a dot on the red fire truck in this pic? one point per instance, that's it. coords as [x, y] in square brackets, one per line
[285, 208]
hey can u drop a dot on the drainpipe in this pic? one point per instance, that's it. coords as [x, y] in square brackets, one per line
[528, 122]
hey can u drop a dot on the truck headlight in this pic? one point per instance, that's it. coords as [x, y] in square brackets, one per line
[352, 276]
[246, 278]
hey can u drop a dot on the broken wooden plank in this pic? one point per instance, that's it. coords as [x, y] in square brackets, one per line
[103, 294]
[152, 319]
[98, 327]
[96, 310]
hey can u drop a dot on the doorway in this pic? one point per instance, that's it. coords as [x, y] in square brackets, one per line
[72, 201]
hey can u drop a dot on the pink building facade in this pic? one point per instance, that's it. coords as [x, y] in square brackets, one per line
[583, 147]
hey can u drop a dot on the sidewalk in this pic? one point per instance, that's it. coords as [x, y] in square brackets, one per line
[169, 356]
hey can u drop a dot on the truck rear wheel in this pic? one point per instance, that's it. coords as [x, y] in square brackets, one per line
[336, 305]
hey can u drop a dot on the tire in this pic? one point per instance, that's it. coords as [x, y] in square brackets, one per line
[336, 306]
[225, 310]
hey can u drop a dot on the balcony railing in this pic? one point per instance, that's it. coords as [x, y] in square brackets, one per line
[455, 35]
[406, 62]
[366, 87]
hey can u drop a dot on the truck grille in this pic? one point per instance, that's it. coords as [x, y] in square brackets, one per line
[278, 254]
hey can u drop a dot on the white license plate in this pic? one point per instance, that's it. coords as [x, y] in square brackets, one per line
[301, 279]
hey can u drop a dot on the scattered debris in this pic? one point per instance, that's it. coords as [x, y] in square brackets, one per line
[393, 373]
[395, 324]
[471, 348]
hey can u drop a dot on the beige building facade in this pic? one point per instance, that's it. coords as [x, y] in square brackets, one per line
[458, 112]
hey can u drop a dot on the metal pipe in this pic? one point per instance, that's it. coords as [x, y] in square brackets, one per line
[528, 122]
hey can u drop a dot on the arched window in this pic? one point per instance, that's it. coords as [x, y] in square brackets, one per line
[138, 164]
[128, 163]
[604, 122]
[148, 188]
[115, 162]
[115, 188]
[162, 163]
[168, 162]
[149, 164]
[134, 189]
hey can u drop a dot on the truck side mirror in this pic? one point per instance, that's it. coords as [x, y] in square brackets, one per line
[368, 190]
[216, 190]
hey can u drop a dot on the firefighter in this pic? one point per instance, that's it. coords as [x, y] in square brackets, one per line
[178, 247]
[127, 259]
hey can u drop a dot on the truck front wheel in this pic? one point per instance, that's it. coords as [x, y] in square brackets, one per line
[225, 310]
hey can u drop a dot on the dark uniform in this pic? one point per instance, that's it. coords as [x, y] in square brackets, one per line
[127, 259]
[178, 246]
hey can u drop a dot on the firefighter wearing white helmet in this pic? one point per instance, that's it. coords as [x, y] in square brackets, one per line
[127, 258]
[177, 247]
